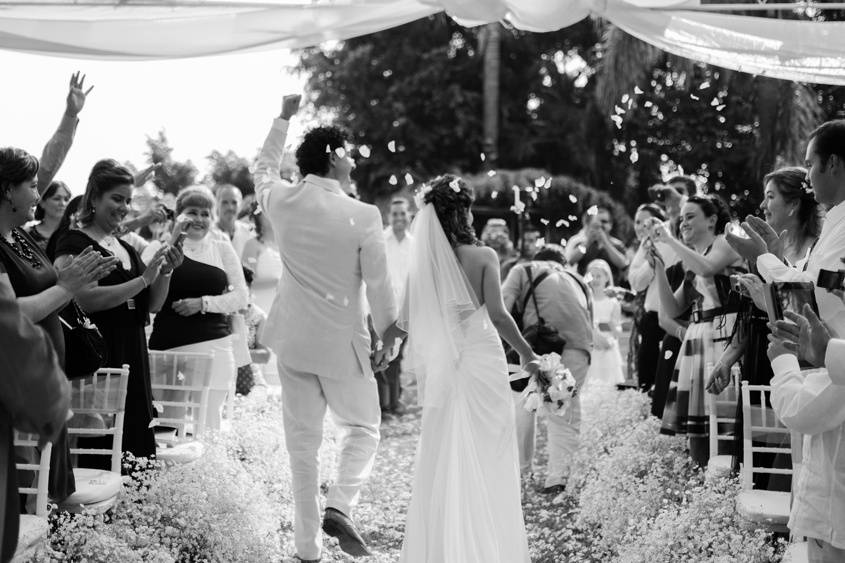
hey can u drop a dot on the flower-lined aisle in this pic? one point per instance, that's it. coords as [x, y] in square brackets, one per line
[633, 497]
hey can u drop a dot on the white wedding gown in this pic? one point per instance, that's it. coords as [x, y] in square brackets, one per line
[466, 503]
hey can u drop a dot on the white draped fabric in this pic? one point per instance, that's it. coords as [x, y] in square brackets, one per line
[152, 29]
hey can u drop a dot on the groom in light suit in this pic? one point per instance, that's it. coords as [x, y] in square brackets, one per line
[332, 248]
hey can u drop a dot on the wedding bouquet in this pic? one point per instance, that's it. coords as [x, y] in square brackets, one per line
[552, 388]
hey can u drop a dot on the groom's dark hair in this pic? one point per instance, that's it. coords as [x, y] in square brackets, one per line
[313, 153]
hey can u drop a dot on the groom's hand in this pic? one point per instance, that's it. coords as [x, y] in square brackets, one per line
[290, 105]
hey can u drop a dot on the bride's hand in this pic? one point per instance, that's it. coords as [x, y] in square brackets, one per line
[530, 364]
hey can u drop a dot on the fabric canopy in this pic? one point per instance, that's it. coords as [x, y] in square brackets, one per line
[154, 29]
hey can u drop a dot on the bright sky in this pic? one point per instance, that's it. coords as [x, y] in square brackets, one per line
[223, 102]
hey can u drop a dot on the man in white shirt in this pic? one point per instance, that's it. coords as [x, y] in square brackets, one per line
[398, 242]
[813, 402]
[333, 255]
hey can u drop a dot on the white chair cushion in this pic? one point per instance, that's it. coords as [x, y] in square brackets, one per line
[184, 452]
[31, 532]
[796, 553]
[94, 486]
[764, 507]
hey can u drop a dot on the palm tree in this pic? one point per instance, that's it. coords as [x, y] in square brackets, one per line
[785, 111]
[490, 40]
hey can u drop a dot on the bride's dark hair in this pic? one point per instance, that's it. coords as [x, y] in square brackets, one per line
[452, 198]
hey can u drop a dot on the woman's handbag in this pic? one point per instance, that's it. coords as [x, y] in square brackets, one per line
[85, 349]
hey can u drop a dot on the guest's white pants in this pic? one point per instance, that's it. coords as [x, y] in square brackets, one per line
[563, 430]
[354, 404]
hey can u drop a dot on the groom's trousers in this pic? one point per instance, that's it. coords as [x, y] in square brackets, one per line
[353, 401]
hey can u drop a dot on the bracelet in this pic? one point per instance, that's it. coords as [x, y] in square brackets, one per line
[204, 305]
[144, 281]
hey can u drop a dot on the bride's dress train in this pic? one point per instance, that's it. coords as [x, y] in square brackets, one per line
[466, 503]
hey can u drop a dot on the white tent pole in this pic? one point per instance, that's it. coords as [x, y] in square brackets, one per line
[754, 7]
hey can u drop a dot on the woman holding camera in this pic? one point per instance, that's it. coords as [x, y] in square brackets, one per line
[205, 289]
[707, 260]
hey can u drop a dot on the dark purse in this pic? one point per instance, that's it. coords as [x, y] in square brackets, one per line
[85, 349]
[541, 336]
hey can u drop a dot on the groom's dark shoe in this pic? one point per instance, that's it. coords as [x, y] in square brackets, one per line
[338, 525]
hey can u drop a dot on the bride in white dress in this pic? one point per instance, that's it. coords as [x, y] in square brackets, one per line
[466, 503]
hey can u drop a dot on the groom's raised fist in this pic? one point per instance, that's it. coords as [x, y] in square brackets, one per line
[290, 105]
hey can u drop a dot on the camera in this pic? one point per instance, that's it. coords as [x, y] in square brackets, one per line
[736, 284]
[830, 280]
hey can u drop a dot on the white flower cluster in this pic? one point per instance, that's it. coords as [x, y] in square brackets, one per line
[551, 388]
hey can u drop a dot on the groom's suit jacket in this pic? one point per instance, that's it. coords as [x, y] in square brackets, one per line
[333, 252]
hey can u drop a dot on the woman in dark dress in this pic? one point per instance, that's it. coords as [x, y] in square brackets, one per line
[41, 290]
[119, 304]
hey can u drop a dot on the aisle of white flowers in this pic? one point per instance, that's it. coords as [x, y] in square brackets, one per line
[633, 497]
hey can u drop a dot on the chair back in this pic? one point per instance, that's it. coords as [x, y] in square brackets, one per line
[38, 463]
[722, 414]
[180, 383]
[98, 403]
[761, 425]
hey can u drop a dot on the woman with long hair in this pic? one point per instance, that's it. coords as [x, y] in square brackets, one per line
[120, 303]
[789, 207]
[466, 496]
[49, 212]
[707, 260]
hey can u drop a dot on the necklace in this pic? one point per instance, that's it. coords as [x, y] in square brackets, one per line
[20, 247]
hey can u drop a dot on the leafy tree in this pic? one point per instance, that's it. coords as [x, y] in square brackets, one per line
[229, 168]
[172, 175]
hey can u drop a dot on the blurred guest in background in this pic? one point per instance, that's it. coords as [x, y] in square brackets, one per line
[229, 199]
[49, 212]
[594, 241]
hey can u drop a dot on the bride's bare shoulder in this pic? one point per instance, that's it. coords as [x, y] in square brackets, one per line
[471, 255]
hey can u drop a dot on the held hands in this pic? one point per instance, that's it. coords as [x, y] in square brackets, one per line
[387, 348]
[76, 96]
[290, 105]
[84, 270]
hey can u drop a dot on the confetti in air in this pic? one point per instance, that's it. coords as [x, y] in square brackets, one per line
[648, 104]
[704, 85]
[544, 221]
[409, 179]
[720, 107]
[539, 182]
[668, 355]
[391, 146]
[491, 173]
[483, 157]
[617, 120]
[340, 152]
[694, 97]
[548, 183]
[561, 222]
[494, 195]
[455, 185]
[352, 221]
[572, 218]
[618, 110]
[364, 151]
[625, 98]
[593, 210]
[180, 376]
[393, 180]
[572, 198]
[715, 102]
[637, 90]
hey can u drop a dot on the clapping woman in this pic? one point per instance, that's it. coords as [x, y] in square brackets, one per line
[120, 303]
[205, 289]
[41, 289]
